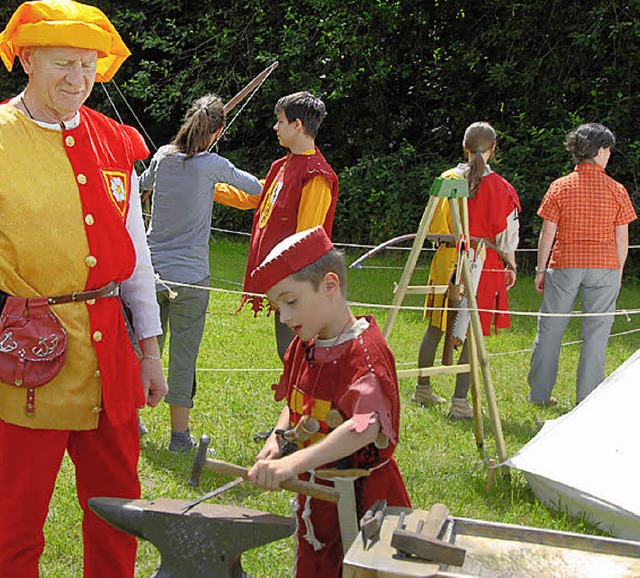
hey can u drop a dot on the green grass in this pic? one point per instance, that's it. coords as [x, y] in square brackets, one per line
[438, 458]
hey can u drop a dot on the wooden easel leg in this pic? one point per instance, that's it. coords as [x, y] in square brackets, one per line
[410, 266]
[483, 358]
[476, 398]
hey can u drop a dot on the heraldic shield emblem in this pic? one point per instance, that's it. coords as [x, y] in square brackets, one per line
[118, 189]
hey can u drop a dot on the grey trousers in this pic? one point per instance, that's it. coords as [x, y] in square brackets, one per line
[184, 316]
[599, 288]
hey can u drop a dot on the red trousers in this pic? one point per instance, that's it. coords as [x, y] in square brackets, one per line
[106, 464]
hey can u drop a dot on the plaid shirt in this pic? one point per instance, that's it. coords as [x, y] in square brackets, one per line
[587, 205]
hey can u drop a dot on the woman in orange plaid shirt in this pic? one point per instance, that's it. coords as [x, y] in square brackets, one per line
[585, 230]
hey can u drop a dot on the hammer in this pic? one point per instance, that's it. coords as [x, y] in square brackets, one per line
[201, 462]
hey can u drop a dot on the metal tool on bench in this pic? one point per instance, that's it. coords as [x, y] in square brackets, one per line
[371, 522]
[206, 543]
[425, 542]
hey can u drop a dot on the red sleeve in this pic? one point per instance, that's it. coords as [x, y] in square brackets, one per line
[364, 398]
[140, 149]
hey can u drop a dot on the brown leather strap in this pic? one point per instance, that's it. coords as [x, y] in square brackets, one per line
[110, 290]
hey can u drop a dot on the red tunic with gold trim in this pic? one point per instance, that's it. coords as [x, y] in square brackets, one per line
[79, 208]
[277, 215]
[357, 378]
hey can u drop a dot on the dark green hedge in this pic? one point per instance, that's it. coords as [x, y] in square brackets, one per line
[401, 79]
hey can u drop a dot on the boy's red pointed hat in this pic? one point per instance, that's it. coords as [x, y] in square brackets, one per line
[290, 256]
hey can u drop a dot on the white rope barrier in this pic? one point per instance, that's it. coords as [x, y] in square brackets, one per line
[363, 246]
[403, 364]
[625, 312]
[618, 312]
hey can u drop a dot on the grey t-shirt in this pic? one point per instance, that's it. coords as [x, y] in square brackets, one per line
[178, 235]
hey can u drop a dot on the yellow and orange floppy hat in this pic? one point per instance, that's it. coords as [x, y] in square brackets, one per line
[64, 23]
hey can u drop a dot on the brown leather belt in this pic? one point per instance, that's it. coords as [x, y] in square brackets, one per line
[110, 290]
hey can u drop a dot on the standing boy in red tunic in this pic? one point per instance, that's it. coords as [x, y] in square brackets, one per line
[300, 191]
[338, 373]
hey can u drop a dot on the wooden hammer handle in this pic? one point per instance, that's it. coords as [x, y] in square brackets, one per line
[436, 519]
[330, 473]
[326, 493]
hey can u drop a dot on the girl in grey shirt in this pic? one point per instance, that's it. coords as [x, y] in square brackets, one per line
[184, 177]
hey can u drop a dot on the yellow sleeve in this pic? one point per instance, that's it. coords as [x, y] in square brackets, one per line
[441, 223]
[231, 196]
[314, 203]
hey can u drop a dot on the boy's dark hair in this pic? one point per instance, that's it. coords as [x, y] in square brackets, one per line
[204, 117]
[585, 142]
[305, 106]
[331, 262]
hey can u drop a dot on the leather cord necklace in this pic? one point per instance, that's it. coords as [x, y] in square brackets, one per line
[26, 107]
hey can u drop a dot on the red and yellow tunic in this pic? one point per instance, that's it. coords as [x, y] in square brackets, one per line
[356, 378]
[64, 199]
[282, 204]
[494, 201]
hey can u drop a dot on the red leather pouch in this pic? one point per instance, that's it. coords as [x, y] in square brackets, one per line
[33, 345]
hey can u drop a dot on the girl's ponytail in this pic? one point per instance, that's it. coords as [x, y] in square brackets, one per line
[202, 121]
[478, 138]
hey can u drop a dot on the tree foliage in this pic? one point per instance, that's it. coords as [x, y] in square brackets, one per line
[401, 79]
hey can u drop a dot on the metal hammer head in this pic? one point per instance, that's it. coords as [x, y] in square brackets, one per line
[199, 461]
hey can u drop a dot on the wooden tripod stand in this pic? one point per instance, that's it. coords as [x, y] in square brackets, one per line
[456, 192]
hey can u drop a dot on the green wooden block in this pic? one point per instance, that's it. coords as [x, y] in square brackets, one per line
[449, 188]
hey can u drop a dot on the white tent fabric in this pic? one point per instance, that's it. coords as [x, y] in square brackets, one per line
[587, 462]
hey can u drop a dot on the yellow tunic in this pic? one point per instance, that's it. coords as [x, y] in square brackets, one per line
[43, 247]
[444, 260]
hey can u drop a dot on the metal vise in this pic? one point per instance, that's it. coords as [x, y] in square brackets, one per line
[205, 542]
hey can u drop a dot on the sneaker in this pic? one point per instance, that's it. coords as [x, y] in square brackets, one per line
[552, 401]
[424, 395]
[142, 429]
[182, 442]
[460, 409]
